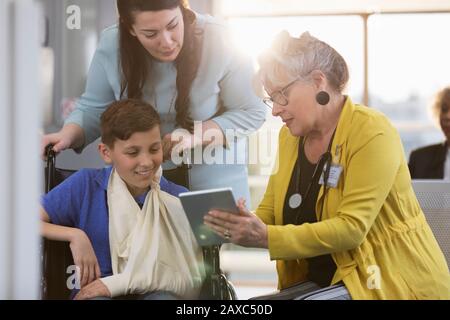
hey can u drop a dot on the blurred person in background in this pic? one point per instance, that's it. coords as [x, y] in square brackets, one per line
[433, 162]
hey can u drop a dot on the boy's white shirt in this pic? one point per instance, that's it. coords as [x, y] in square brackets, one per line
[152, 248]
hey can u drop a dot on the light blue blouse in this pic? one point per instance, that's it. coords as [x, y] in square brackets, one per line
[224, 79]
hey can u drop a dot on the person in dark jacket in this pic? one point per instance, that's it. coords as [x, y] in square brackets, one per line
[433, 162]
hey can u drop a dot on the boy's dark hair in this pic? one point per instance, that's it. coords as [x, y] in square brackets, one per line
[125, 117]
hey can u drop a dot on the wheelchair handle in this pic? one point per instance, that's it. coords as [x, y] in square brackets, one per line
[51, 156]
[49, 152]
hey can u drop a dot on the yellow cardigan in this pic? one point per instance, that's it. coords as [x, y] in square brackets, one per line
[372, 224]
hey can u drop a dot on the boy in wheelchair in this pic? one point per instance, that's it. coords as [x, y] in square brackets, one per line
[127, 231]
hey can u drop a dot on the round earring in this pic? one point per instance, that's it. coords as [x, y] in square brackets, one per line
[323, 98]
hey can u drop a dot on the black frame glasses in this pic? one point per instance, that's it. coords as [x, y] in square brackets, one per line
[279, 96]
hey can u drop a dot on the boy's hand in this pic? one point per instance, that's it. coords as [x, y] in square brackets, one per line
[92, 290]
[84, 257]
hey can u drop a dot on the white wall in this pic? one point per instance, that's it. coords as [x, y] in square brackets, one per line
[20, 114]
[5, 268]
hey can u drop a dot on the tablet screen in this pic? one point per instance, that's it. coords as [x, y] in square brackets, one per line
[197, 204]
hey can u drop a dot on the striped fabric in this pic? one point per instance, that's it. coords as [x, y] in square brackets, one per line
[336, 292]
[309, 290]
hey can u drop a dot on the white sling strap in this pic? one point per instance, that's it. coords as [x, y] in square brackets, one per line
[152, 248]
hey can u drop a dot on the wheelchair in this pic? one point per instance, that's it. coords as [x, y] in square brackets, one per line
[57, 256]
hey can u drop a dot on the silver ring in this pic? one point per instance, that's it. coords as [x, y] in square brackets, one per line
[227, 234]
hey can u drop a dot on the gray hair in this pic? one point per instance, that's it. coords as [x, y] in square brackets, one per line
[298, 57]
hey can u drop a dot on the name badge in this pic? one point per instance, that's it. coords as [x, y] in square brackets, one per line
[334, 175]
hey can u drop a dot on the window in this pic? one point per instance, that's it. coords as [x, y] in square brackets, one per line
[344, 33]
[409, 61]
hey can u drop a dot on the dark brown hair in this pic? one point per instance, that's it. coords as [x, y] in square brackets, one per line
[135, 65]
[125, 117]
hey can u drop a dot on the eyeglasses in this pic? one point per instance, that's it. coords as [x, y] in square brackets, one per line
[279, 96]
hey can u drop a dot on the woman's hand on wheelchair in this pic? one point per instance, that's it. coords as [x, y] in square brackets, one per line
[70, 136]
[58, 140]
[93, 290]
[84, 257]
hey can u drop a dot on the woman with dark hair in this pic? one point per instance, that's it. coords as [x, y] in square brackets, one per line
[181, 63]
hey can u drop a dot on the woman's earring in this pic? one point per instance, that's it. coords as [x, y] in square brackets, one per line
[323, 98]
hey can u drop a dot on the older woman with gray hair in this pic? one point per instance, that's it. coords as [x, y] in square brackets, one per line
[339, 215]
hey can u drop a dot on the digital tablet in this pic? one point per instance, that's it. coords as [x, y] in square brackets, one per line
[197, 204]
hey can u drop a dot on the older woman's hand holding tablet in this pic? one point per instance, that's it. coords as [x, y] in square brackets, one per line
[216, 218]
